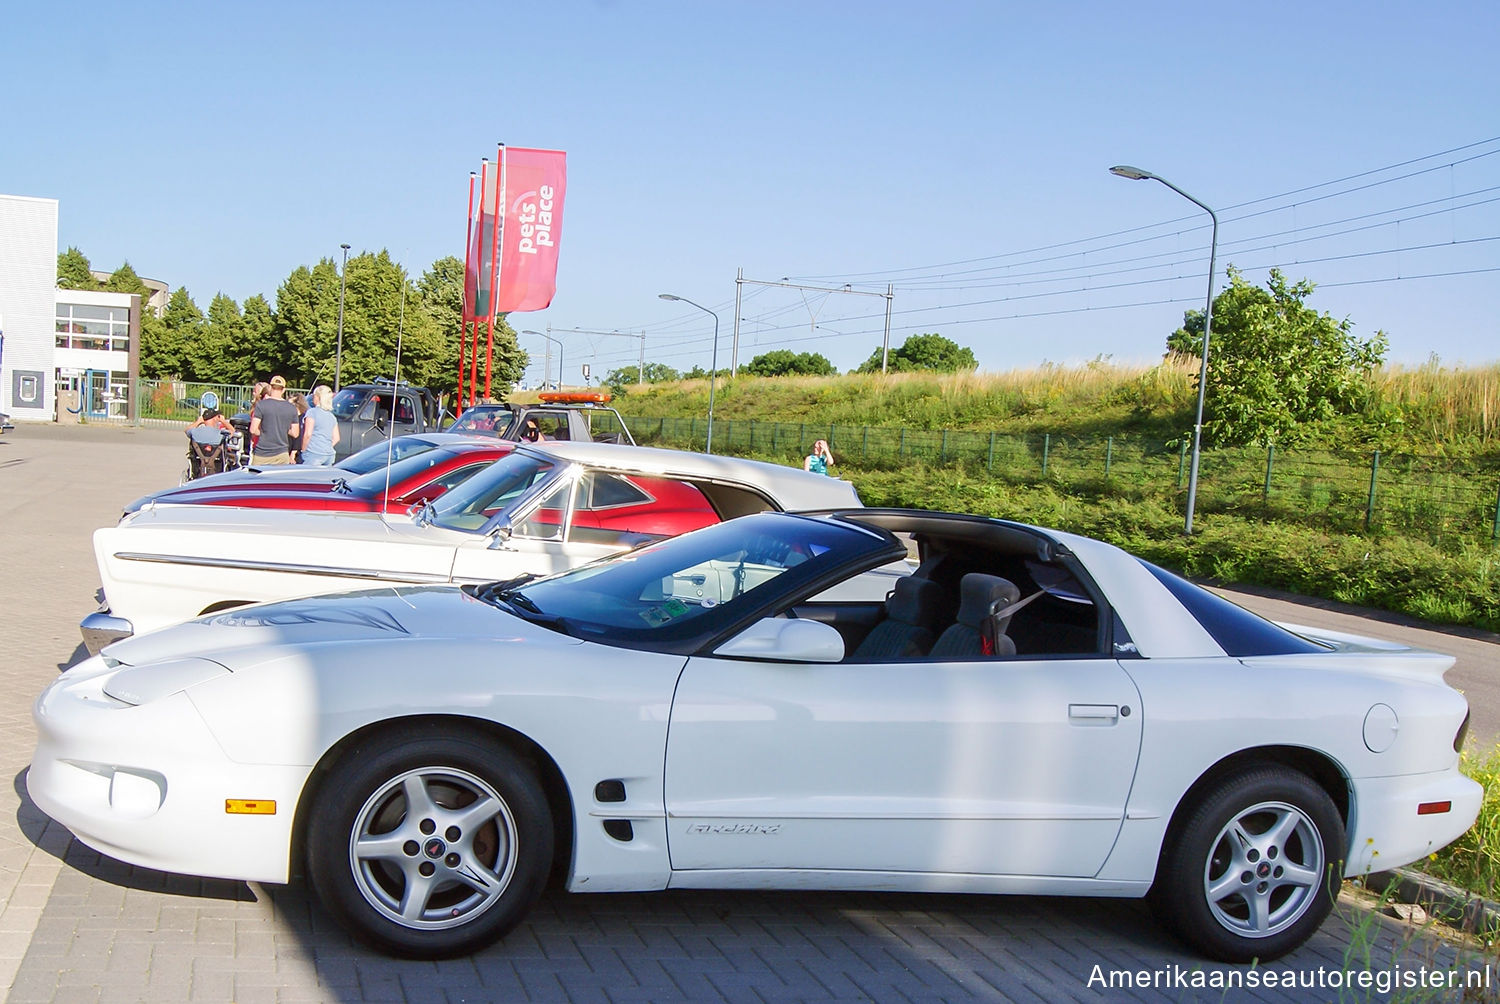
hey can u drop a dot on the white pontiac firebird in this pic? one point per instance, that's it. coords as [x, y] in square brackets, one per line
[1026, 711]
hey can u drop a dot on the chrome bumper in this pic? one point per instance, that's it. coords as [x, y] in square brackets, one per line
[101, 628]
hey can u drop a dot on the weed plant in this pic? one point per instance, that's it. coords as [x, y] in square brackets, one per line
[1472, 861]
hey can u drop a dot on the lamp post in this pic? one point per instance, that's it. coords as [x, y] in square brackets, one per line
[708, 446]
[1136, 174]
[547, 368]
[338, 356]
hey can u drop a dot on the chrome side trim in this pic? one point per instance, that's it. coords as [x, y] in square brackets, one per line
[102, 628]
[293, 568]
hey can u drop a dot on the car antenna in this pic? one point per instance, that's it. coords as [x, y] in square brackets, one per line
[390, 429]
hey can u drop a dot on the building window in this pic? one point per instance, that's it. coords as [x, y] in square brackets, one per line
[84, 326]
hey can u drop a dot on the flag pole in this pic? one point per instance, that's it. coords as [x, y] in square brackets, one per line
[489, 317]
[463, 319]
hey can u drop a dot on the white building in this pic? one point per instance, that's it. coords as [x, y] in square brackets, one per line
[28, 288]
[52, 338]
[96, 348]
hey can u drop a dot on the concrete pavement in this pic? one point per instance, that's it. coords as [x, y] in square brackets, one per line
[76, 926]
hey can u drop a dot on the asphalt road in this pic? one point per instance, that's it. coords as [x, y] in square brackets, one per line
[77, 926]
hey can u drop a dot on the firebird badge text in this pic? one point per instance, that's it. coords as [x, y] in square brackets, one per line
[761, 829]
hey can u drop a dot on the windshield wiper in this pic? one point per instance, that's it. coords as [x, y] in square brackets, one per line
[505, 591]
[509, 593]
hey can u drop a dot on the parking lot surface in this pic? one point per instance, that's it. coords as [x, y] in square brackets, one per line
[77, 926]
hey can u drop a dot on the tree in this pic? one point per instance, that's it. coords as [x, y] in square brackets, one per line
[626, 376]
[785, 362]
[1276, 366]
[165, 344]
[124, 280]
[218, 353]
[929, 352]
[442, 291]
[160, 355]
[260, 349]
[74, 271]
[302, 343]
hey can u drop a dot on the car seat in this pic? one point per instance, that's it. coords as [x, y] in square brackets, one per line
[909, 626]
[980, 629]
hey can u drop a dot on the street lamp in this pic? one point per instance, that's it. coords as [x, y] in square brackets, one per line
[708, 447]
[1136, 174]
[547, 369]
[338, 357]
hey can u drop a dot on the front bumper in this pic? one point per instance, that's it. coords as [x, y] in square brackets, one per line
[102, 628]
[148, 784]
[1385, 830]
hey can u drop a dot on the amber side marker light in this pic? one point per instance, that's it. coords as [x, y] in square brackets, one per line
[1433, 808]
[264, 807]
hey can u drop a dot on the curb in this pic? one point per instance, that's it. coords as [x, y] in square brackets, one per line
[1459, 907]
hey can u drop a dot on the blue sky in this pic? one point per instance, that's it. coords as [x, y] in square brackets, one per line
[957, 150]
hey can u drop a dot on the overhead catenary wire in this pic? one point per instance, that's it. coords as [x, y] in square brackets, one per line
[1074, 274]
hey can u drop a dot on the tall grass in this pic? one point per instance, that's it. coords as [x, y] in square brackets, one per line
[1472, 861]
[1425, 409]
[1439, 405]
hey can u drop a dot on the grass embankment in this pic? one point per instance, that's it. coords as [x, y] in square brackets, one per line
[1097, 449]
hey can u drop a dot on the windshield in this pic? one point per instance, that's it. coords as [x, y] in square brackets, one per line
[495, 420]
[698, 583]
[412, 466]
[373, 458]
[470, 505]
[347, 401]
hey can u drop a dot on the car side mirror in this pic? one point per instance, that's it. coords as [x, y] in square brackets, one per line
[784, 639]
[500, 535]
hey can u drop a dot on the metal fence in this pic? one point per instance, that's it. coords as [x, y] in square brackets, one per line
[169, 402]
[1347, 491]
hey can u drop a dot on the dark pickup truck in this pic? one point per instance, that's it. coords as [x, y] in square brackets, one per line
[368, 413]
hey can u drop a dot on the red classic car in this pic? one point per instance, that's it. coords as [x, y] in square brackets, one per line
[419, 476]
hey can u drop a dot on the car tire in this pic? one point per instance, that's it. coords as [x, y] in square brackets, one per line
[1251, 871]
[445, 880]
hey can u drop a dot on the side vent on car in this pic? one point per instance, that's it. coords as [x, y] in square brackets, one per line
[620, 829]
[610, 791]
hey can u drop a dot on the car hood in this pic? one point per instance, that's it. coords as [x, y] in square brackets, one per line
[244, 636]
[285, 479]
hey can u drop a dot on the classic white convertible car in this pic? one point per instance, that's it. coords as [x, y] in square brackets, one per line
[1027, 712]
[544, 508]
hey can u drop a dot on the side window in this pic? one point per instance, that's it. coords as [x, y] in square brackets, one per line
[459, 475]
[554, 426]
[366, 411]
[608, 491]
[406, 411]
[546, 520]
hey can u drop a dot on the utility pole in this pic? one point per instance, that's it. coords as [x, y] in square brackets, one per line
[740, 281]
[641, 369]
[734, 351]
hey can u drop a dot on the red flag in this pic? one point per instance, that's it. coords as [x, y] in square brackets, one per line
[479, 257]
[533, 182]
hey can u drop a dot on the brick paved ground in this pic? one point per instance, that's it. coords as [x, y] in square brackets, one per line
[75, 926]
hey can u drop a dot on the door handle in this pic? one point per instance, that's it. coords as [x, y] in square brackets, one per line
[1094, 714]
